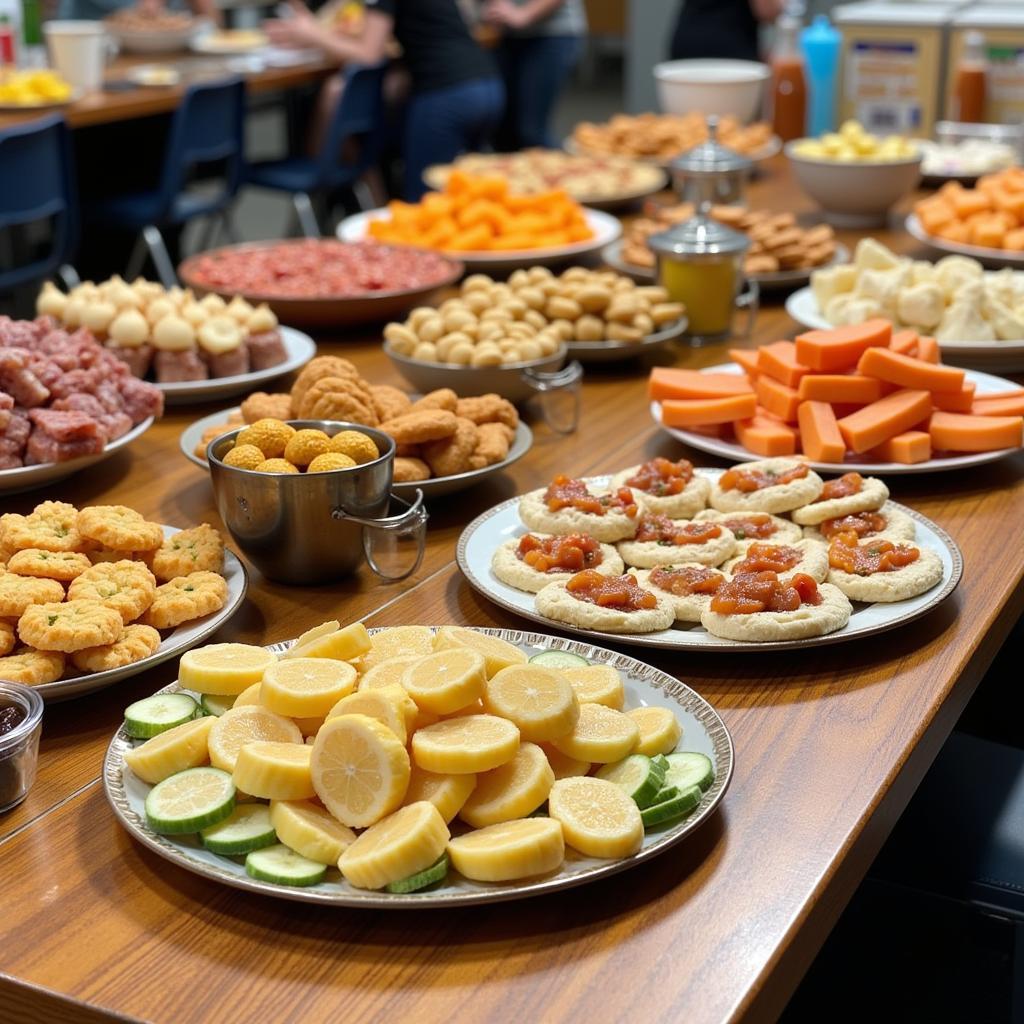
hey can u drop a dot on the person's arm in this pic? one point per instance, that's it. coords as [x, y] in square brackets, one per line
[303, 29]
[513, 15]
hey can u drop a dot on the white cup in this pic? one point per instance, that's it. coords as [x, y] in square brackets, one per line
[78, 52]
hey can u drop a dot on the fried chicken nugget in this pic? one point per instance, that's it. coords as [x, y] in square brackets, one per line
[422, 426]
[488, 409]
[262, 406]
[389, 402]
[408, 471]
[492, 445]
[407, 451]
[337, 398]
[316, 369]
[451, 456]
[442, 398]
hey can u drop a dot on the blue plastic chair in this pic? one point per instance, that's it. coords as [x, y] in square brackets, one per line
[359, 115]
[206, 128]
[37, 182]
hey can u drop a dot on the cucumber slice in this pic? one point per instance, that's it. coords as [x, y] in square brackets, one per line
[637, 776]
[558, 659]
[154, 715]
[689, 769]
[437, 872]
[214, 705]
[285, 867]
[669, 810]
[245, 829]
[663, 794]
[662, 760]
[190, 801]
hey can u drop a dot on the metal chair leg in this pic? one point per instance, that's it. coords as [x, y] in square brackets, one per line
[304, 211]
[68, 276]
[160, 256]
[137, 259]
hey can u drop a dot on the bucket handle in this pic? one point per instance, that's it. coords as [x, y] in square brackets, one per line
[411, 523]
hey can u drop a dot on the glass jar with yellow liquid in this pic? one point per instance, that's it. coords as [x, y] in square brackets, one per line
[700, 264]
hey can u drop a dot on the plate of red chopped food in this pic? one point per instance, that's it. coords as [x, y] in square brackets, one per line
[65, 403]
[323, 282]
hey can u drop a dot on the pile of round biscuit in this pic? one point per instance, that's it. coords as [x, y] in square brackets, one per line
[530, 316]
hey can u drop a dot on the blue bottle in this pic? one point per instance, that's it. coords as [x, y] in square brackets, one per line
[820, 43]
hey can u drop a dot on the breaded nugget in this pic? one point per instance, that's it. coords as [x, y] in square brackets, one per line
[51, 525]
[7, 637]
[135, 643]
[69, 626]
[443, 398]
[451, 455]
[32, 668]
[338, 398]
[488, 409]
[262, 406]
[409, 471]
[316, 369]
[52, 565]
[407, 451]
[389, 402]
[418, 427]
[492, 445]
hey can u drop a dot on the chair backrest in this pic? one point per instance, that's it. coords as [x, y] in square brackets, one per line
[358, 115]
[37, 182]
[207, 127]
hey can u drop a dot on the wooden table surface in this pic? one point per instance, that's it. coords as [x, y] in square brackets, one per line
[106, 106]
[830, 745]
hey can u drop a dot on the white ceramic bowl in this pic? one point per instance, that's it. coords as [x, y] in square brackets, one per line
[855, 195]
[711, 86]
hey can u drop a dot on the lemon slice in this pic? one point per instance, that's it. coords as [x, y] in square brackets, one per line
[340, 644]
[598, 818]
[360, 769]
[250, 695]
[538, 700]
[564, 766]
[596, 684]
[274, 771]
[446, 792]
[660, 730]
[306, 687]
[446, 681]
[384, 705]
[315, 633]
[460, 746]
[387, 673]
[513, 849]
[309, 726]
[247, 724]
[400, 845]
[497, 653]
[172, 751]
[476, 708]
[310, 831]
[513, 790]
[601, 735]
[397, 642]
[223, 669]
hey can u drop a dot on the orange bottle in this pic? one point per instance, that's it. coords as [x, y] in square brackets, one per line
[789, 87]
[970, 86]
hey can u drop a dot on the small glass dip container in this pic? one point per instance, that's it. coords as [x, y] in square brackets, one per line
[700, 264]
[710, 172]
[19, 746]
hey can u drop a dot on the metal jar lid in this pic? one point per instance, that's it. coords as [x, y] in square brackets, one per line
[711, 158]
[697, 237]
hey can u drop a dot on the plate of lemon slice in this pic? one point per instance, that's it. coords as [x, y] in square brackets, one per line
[415, 766]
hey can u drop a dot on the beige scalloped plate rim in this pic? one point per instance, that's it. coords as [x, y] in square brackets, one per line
[339, 894]
[674, 639]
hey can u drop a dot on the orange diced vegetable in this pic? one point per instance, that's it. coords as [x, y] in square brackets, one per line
[955, 401]
[765, 435]
[746, 358]
[669, 382]
[889, 416]
[841, 347]
[909, 372]
[904, 342]
[1009, 403]
[928, 349]
[954, 432]
[691, 412]
[777, 399]
[778, 361]
[908, 448]
[839, 387]
[819, 432]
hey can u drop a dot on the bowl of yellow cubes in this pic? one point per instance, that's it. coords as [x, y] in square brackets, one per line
[854, 175]
[21, 90]
[414, 766]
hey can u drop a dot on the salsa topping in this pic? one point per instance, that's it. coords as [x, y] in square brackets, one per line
[687, 579]
[752, 592]
[620, 592]
[661, 477]
[842, 487]
[565, 492]
[769, 557]
[759, 525]
[873, 556]
[662, 530]
[748, 480]
[559, 554]
[862, 524]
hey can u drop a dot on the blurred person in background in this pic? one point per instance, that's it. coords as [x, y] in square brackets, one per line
[97, 10]
[721, 28]
[456, 95]
[541, 42]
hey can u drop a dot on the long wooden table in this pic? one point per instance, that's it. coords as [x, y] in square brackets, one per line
[107, 106]
[830, 744]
